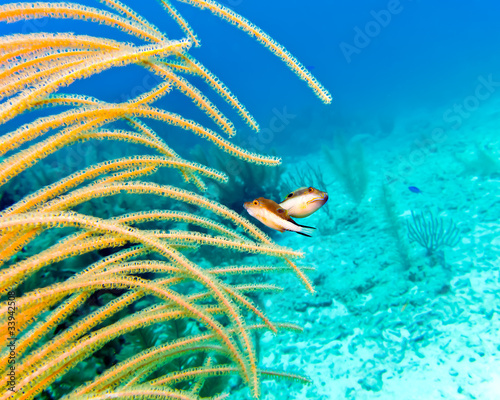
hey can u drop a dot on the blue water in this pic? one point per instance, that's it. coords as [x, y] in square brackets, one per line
[426, 55]
[420, 54]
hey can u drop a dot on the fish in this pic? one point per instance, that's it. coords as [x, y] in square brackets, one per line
[304, 201]
[414, 189]
[274, 216]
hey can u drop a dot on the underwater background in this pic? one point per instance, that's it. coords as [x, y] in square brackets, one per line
[406, 248]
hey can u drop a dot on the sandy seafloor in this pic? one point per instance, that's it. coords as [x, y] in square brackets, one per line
[375, 330]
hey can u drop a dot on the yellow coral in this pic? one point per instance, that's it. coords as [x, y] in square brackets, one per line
[35, 67]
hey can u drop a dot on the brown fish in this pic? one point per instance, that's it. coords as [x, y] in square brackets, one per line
[274, 216]
[304, 201]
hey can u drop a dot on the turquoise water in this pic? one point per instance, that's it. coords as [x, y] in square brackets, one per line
[410, 143]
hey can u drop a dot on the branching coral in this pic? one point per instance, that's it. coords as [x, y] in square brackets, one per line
[54, 326]
[394, 226]
[348, 163]
[431, 232]
[245, 180]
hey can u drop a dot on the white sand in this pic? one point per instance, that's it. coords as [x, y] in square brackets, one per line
[375, 330]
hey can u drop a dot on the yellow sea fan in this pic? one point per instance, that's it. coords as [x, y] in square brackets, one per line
[151, 274]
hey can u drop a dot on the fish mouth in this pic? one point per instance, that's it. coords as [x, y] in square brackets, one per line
[323, 199]
[249, 209]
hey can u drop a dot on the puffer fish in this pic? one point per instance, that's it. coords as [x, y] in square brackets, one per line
[275, 217]
[304, 201]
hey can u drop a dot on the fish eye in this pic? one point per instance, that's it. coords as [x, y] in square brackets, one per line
[280, 210]
[255, 203]
[310, 189]
[290, 195]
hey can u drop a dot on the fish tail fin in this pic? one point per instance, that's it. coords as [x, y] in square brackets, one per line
[304, 229]
[305, 226]
[305, 232]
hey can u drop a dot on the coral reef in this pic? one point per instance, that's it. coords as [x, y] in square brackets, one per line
[245, 181]
[348, 163]
[431, 232]
[90, 287]
[483, 162]
[394, 226]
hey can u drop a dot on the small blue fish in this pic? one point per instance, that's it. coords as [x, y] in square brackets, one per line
[414, 189]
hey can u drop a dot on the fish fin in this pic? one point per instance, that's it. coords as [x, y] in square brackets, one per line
[305, 230]
[307, 227]
[302, 226]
